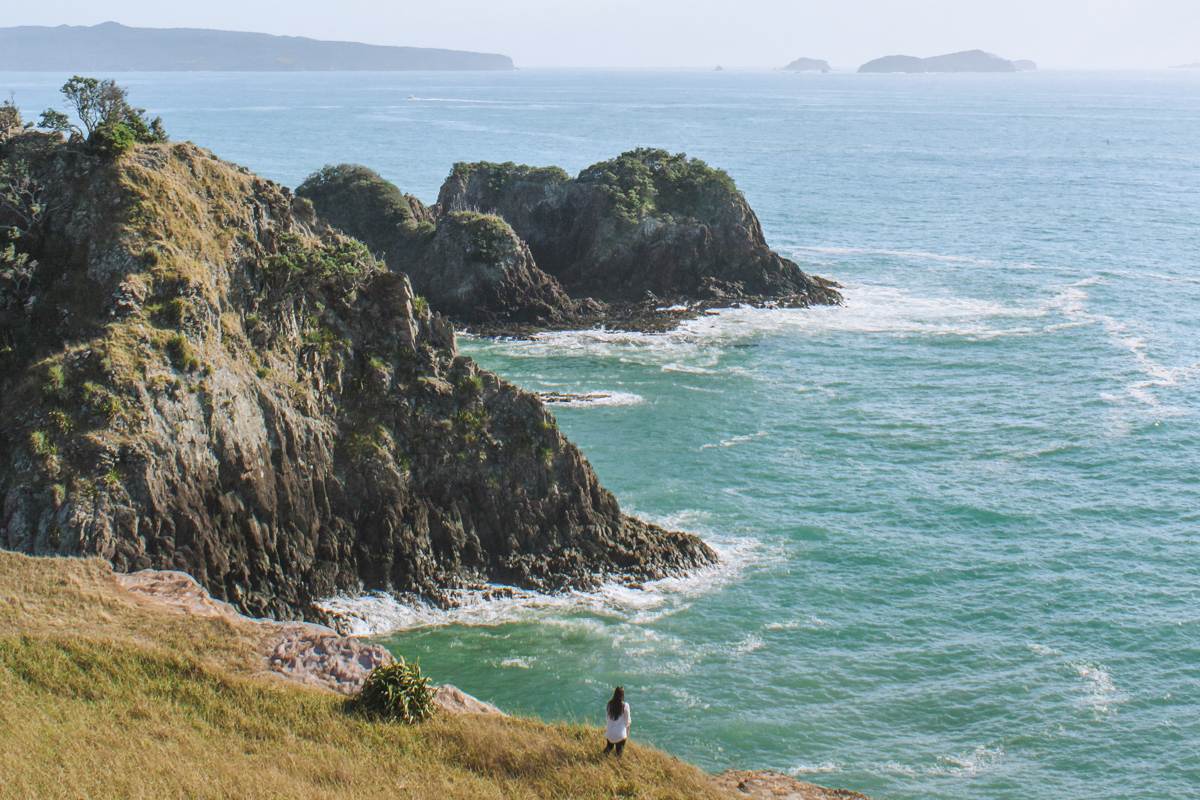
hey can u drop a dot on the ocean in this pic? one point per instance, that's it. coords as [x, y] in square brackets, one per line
[959, 517]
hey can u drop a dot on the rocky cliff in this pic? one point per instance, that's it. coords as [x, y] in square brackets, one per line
[197, 375]
[470, 266]
[646, 222]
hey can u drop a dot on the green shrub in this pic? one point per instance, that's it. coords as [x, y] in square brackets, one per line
[113, 139]
[56, 381]
[102, 401]
[40, 444]
[396, 692]
[420, 306]
[182, 356]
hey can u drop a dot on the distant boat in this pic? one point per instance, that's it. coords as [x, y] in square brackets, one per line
[718, 68]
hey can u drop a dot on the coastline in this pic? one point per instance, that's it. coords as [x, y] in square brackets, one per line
[321, 658]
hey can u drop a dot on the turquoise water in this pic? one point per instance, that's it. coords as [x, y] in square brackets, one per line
[959, 515]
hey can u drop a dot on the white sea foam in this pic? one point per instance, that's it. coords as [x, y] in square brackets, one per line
[1072, 302]
[811, 622]
[734, 441]
[377, 613]
[696, 346]
[981, 759]
[749, 644]
[823, 768]
[516, 662]
[1043, 650]
[1100, 692]
[597, 399]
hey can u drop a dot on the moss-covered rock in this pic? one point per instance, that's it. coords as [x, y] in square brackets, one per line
[647, 221]
[470, 266]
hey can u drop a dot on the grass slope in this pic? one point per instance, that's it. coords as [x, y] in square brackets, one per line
[103, 694]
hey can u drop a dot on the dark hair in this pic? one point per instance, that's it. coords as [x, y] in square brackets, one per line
[616, 706]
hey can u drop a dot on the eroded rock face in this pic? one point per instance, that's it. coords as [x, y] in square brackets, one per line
[198, 378]
[471, 267]
[645, 222]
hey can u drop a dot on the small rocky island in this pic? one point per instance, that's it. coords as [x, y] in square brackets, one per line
[198, 373]
[808, 65]
[638, 242]
[965, 61]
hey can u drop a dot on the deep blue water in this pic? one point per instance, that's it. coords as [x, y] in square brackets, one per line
[959, 516]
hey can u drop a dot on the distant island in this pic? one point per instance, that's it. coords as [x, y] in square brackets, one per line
[1187, 66]
[112, 47]
[808, 65]
[966, 61]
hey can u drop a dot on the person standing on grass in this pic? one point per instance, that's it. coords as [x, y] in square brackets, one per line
[617, 716]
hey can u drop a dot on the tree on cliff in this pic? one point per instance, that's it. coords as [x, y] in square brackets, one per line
[109, 122]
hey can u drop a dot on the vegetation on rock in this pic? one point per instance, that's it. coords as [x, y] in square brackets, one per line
[106, 120]
[396, 692]
[646, 223]
[472, 266]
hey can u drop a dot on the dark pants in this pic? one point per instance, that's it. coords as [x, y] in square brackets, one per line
[608, 747]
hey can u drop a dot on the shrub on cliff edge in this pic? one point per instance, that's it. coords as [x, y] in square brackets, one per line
[396, 692]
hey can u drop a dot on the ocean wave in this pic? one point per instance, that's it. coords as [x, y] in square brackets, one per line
[734, 441]
[823, 768]
[377, 613]
[1100, 692]
[1072, 302]
[516, 662]
[981, 759]
[597, 399]
[697, 345]
[966, 765]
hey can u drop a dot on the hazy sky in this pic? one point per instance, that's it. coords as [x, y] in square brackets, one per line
[672, 33]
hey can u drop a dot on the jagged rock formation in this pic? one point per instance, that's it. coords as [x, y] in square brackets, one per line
[112, 47]
[808, 65]
[471, 267]
[966, 61]
[646, 222]
[196, 375]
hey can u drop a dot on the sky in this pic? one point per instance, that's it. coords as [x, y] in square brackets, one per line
[1091, 34]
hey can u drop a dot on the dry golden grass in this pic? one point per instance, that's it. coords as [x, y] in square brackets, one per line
[105, 695]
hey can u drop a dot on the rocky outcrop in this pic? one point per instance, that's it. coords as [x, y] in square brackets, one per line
[966, 61]
[304, 653]
[808, 65]
[767, 785]
[645, 223]
[472, 267]
[197, 376]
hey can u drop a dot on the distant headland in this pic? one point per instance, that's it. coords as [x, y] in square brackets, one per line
[966, 61]
[1187, 66]
[112, 47]
[808, 65]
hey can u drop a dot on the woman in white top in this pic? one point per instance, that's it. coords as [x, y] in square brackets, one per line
[617, 717]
